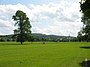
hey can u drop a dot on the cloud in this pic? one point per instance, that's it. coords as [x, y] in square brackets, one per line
[62, 18]
[6, 21]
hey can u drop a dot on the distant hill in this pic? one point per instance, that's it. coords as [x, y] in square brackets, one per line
[42, 37]
[53, 37]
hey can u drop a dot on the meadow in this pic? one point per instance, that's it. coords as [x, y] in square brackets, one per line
[50, 54]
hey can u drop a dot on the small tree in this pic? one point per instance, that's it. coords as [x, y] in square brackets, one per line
[23, 23]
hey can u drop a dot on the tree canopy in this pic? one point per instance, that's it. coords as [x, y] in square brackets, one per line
[85, 9]
[24, 26]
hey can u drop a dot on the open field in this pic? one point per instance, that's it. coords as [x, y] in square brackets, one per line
[61, 54]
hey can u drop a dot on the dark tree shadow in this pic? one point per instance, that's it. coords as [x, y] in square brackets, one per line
[85, 47]
[85, 63]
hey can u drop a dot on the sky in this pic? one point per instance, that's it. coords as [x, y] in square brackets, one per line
[50, 17]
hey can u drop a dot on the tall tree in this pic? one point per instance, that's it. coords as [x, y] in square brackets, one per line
[85, 9]
[23, 23]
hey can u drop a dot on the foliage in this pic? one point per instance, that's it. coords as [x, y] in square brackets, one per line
[84, 34]
[23, 23]
[2, 40]
[34, 37]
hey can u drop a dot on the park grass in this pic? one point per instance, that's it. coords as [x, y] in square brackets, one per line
[37, 54]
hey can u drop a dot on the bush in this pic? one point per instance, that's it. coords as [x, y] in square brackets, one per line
[2, 40]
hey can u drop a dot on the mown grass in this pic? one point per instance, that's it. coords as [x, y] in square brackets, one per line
[37, 54]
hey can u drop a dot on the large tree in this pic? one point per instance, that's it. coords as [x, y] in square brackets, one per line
[84, 34]
[23, 23]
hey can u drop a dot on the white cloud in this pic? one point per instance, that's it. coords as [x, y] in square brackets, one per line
[62, 18]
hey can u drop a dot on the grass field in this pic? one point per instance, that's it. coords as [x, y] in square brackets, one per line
[61, 54]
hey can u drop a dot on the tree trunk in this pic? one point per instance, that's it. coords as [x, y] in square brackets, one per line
[21, 38]
[21, 42]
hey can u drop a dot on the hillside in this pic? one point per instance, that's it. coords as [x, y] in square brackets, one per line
[40, 37]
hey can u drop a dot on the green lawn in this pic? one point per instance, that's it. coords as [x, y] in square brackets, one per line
[63, 54]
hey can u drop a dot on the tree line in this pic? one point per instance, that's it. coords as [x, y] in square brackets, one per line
[39, 38]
